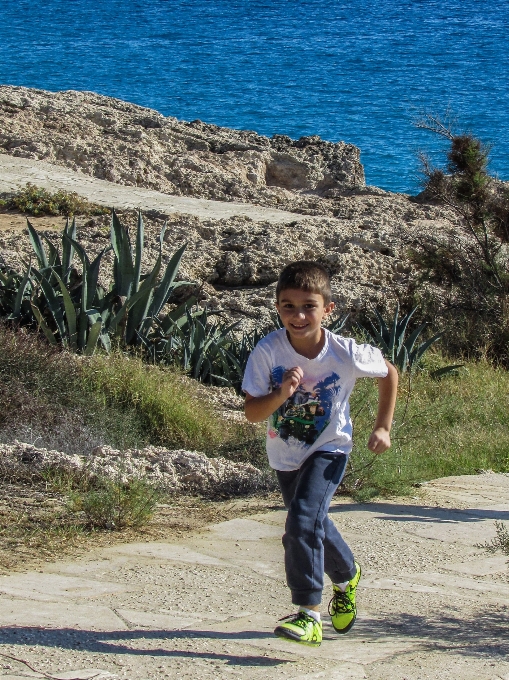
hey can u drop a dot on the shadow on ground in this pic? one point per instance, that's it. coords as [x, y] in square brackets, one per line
[419, 513]
[484, 635]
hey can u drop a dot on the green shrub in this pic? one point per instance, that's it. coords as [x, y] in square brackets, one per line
[113, 504]
[472, 270]
[37, 201]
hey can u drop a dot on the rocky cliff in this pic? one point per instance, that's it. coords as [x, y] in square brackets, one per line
[120, 142]
[364, 235]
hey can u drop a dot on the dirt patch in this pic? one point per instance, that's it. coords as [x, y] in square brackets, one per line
[17, 222]
[36, 527]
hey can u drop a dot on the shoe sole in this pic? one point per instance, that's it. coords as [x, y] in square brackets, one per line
[342, 631]
[291, 637]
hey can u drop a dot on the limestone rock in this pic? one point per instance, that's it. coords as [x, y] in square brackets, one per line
[170, 470]
[365, 236]
[135, 146]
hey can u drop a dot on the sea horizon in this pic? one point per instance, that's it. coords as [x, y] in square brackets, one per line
[357, 72]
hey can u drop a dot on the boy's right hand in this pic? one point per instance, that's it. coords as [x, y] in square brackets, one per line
[260, 408]
[291, 380]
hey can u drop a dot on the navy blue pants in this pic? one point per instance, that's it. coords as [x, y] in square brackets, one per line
[313, 546]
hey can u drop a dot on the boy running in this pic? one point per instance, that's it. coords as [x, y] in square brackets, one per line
[300, 378]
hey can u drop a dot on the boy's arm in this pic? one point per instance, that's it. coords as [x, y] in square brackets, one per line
[260, 408]
[380, 439]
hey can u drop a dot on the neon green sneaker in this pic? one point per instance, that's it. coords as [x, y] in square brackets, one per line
[302, 628]
[342, 608]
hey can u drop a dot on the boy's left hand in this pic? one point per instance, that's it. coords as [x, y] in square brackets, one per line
[380, 440]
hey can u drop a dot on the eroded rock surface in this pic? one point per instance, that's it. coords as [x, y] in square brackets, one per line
[366, 237]
[128, 144]
[234, 263]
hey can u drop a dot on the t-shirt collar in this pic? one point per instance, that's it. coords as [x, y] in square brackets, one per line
[301, 357]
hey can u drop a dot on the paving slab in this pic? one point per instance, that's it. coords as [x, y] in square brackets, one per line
[433, 603]
[481, 567]
[43, 586]
[17, 172]
[34, 614]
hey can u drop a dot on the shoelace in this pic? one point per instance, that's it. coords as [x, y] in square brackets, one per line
[340, 604]
[301, 619]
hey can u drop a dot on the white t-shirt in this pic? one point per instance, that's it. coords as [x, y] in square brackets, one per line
[317, 415]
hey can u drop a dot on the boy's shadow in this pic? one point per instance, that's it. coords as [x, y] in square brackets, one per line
[117, 642]
[421, 513]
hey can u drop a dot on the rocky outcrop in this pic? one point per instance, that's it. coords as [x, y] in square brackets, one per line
[171, 471]
[234, 263]
[132, 145]
[365, 236]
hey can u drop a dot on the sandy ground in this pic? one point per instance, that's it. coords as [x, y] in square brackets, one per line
[433, 603]
[14, 222]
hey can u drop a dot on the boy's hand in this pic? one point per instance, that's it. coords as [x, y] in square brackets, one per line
[380, 440]
[291, 380]
[260, 408]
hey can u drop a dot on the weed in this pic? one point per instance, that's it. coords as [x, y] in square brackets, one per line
[501, 540]
[64, 481]
[36, 201]
[115, 504]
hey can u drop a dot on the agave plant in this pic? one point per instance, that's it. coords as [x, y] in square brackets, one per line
[145, 296]
[185, 337]
[71, 308]
[402, 351]
[15, 291]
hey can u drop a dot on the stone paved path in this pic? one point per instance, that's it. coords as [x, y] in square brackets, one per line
[16, 172]
[432, 604]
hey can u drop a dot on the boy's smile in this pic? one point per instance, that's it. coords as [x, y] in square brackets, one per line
[302, 314]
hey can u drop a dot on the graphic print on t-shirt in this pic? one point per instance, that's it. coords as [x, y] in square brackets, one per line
[307, 412]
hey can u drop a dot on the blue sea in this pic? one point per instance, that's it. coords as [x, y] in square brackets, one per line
[357, 71]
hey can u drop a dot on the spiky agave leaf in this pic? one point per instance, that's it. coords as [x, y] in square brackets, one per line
[123, 268]
[36, 242]
[68, 236]
[70, 314]
[20, 294]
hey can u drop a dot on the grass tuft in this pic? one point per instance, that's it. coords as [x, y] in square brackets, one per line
[168, 408]
[113, 504]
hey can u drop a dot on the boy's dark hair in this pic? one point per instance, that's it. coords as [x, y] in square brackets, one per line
[305, 275]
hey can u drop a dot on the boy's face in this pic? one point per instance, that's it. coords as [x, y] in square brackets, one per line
[302, 314]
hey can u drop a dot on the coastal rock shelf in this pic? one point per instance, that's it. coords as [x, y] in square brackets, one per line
[128, 144]
[245, 205]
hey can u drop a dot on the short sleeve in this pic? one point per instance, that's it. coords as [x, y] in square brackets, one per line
[368, 361]
[258, 371]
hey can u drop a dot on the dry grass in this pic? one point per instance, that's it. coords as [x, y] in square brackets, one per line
[33, 200]
[58, 400]
[35, 526]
